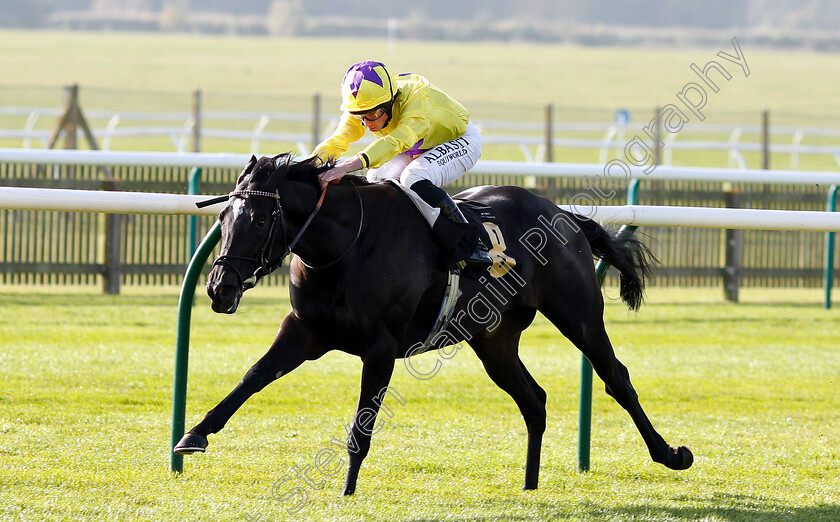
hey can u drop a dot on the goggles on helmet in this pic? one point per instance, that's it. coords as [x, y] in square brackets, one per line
[373, 115]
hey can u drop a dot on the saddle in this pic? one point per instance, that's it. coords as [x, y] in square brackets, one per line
[475, 211]
[491, 235]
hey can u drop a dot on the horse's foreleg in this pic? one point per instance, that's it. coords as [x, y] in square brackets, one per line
[293, 345]
[378, 366]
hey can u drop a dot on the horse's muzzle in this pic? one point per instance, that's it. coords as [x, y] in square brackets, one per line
[224, 290]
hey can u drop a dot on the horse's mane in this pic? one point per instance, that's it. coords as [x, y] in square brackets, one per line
[306, 170]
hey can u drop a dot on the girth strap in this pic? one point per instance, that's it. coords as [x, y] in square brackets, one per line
[447, 307]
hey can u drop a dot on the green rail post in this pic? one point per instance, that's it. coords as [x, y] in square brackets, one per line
[192, 188]
[585, 406]
[585, 413]
[633, 192]
[828, 270]
[182, 342]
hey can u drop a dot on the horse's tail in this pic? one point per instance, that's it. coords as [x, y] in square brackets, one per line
[630, 256]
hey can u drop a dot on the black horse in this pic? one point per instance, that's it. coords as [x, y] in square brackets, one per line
[367, 279]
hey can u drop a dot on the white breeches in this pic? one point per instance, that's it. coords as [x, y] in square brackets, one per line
[441, 165]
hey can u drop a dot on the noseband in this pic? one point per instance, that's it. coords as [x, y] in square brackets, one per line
[262, 261]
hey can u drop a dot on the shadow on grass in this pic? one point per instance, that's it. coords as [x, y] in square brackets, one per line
[722, 507]
[726, 507]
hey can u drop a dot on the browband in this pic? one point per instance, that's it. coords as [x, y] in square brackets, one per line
[222, 199]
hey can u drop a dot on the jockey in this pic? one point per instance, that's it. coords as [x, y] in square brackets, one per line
[425, 140]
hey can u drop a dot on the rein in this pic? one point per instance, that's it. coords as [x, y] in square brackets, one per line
[262, 260]
[352, 243]
[291, 245]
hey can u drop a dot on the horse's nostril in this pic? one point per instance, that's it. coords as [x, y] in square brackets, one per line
[224, 297]
[220, 291]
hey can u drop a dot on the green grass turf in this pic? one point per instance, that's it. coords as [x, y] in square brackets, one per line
[504, 74]
[86, 397]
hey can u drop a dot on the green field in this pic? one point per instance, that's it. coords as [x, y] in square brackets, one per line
[512, 74]
[750, 387]
[497, 81]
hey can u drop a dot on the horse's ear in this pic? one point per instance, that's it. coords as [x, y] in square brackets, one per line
[247, 170]
[282, 160]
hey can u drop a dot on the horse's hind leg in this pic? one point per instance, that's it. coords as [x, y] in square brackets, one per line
[583, 324]
[499, 354]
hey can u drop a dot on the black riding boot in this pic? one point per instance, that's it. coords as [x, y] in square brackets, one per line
[457, 237]
[479, 259]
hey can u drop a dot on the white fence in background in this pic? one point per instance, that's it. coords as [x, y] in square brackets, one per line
[512, 168]
[68, 200]
[528, 137]
[148, 203]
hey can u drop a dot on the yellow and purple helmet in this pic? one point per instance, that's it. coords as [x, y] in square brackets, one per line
[366, 85]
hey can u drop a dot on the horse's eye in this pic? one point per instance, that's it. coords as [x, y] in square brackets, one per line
[259, 222]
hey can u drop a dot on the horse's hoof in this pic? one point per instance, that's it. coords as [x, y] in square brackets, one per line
[191, 443]
[684, 458]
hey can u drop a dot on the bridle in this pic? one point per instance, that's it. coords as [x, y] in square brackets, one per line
[262, 261]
